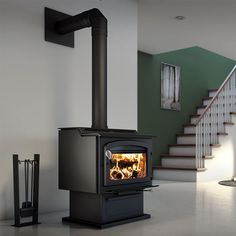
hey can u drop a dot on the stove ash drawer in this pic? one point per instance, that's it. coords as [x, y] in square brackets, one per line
[121, 207]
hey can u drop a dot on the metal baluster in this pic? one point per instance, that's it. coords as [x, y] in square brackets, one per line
[230, 92]
[208, 132]
[234, 92]
[196, 144]
[227, 102]
[200, 154]
[233, 89]
[215, 124]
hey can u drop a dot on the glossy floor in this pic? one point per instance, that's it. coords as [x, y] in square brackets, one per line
[178, 209]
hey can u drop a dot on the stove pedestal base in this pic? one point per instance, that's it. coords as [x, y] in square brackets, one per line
[105, 210]
[108, 224]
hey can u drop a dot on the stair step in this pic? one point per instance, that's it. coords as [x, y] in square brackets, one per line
[194, 118]
[221, 133]
[191, 145]
[189, 125]
[208, 157]
[228, 123]
[185, 149]
[215, 145]
[186, 138]
[182, 145]
[232, 113]
[185, 135]
[175, 175]
[206, 100]
[190, 135]
[189, 129]
[202, 106]
[212, 92]
[178, 168]
[182, 149]
[176, 156]
[200, 109]
[183, 156]
[182, 161]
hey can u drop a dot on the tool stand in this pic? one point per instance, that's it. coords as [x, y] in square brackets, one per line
[29, 207]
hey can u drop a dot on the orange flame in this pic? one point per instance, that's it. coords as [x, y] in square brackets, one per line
[128, 166]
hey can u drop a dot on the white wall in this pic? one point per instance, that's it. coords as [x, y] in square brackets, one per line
[44, 86]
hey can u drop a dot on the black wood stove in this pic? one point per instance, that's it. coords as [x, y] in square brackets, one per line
[105, 170]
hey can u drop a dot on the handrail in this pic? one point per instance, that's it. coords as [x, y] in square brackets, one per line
[216, 95]
[211, 121]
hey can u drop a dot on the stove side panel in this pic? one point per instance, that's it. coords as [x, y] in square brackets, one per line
[77, 161]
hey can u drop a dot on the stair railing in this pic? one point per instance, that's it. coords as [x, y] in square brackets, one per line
[211, 122]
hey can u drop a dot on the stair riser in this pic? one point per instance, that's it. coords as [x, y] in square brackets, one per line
[200, 111]
[182, 151]
[186, 140]
[212, 94]
[191, 140]
[176, 175]
[206, 102]
[179, 162]
[193, 120]
[189, 130]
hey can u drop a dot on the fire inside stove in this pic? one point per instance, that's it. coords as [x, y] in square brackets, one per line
[128, 166]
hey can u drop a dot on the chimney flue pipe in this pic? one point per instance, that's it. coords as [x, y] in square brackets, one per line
[96, 20]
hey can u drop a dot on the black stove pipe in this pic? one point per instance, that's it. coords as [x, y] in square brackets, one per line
[96, 20]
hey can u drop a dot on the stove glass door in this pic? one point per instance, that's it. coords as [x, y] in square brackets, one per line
[125, 166]
[126, 162]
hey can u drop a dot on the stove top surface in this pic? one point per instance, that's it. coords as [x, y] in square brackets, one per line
[106, 132]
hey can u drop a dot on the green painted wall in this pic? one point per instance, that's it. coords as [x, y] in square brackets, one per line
[200, 70]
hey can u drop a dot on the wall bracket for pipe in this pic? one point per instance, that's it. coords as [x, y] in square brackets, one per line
[51, 35]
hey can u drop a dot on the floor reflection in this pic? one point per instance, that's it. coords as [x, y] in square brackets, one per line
[177, 208]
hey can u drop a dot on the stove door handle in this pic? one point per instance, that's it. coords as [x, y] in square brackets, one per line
[108, 154]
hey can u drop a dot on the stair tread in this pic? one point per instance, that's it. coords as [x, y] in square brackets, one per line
[228, 123]
[208, 157]
[184, 135]
[182, 156]
[192, 134]
[182, 145]
[178, 168]
[233, 113]
[207, 98]
[173, 155]
[202, 106]
[195, 115]
[192, 145]
[189, 125]
[193, 125]
[222, 133]
[212, 90]
[215, 145]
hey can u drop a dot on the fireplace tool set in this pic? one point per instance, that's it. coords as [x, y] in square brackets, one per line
[29, 207]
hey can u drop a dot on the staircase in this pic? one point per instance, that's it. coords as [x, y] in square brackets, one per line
[205, 150]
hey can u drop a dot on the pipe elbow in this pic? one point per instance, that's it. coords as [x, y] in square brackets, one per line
[98, 21]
